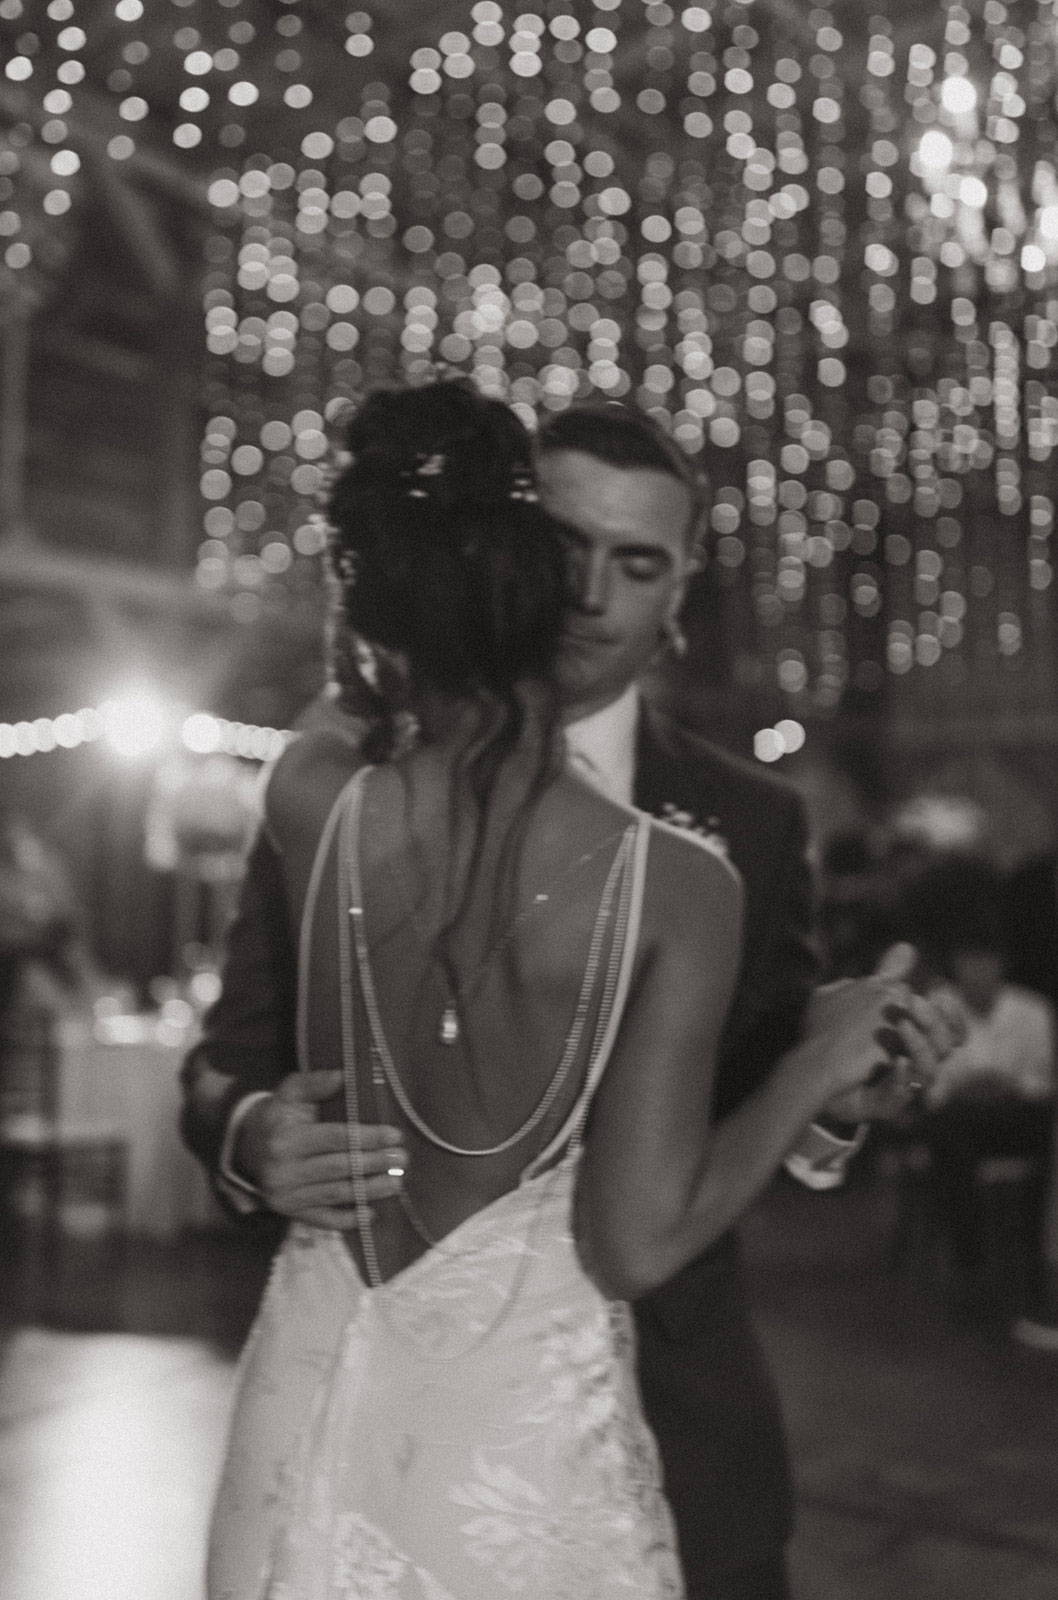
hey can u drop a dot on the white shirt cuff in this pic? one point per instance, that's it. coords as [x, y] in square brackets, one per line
[819, 1159]
[242, 1194]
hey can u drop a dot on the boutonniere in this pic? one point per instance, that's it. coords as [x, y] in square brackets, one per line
[707, 829]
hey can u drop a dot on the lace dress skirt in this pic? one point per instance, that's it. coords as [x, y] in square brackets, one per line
[470, 1430]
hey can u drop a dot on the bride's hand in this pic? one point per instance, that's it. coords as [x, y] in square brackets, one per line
[302, 1165]
[877, 1044]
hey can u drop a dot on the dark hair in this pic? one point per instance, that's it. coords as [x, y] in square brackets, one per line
[441, 552]
[621, 436]
[439, 547]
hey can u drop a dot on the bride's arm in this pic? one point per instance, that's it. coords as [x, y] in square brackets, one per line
[658, 1184]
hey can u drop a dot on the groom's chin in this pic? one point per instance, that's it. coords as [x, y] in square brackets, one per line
[578, 695]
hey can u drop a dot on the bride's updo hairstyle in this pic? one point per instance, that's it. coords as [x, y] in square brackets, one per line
[443, 555]
[440, 549]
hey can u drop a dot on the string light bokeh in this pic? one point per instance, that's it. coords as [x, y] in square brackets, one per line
[819, 244]
[134, 727]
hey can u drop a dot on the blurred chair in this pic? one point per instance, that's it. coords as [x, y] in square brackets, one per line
[978, 1240]
[54, 1171]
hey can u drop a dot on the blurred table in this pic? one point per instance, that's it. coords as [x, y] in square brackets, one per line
[123, 1070]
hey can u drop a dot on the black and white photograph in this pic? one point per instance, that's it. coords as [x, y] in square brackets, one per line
[528, 800]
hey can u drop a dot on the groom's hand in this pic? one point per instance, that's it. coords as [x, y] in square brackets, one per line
[912, 1051]
[302, 1165]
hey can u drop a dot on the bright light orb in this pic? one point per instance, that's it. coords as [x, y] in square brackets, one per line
[958, 96]
[1047, 222]
[201, 733]
[1033, 259]
[769, 744]
[936, 151]
[137, 723]
[973, 193]
[791, 733]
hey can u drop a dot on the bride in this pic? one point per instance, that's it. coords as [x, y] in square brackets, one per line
[529, 981]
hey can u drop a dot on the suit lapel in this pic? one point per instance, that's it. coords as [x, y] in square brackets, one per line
[667, 775]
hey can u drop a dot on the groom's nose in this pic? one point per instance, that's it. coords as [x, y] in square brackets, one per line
[591, 583]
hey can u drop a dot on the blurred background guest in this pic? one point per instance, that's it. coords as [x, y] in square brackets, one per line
[1032, 942]
[989, 1114]
[856, 926]
[44, 967]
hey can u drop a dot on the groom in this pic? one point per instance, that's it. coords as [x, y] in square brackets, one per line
[631, 507]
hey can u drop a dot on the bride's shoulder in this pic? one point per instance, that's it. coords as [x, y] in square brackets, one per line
[689, 870]
[693, 848]
[306, 778]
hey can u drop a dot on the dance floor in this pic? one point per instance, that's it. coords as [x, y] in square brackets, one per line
[926, 1453]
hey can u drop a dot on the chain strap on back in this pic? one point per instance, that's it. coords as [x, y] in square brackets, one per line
[620, 902]
[382, 1056]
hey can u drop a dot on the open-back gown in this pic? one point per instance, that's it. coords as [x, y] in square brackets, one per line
[468, 1430]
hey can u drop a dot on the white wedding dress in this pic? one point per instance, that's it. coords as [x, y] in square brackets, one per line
[471, 1429]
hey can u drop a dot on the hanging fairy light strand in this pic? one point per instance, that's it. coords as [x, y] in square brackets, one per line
[820, 247]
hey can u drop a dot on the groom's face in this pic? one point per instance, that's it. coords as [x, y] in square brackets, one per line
[630, 544]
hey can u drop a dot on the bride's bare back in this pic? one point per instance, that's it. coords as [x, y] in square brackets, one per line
[514, 976]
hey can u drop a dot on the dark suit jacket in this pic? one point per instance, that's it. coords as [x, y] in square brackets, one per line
[705, 1388]
[1032, 925]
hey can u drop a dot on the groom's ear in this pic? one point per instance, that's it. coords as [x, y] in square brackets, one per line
[695, 536]
[677, 600]
[694, 563]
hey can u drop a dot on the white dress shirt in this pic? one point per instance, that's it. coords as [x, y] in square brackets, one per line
[602, 746]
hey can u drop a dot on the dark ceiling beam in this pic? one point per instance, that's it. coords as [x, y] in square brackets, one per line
[136, 220]
[91, 128]
[14, 368]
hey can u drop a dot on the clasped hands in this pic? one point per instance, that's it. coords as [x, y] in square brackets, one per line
[876, 1043]
[879, 1040]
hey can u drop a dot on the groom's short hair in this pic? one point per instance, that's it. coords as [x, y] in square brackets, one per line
[621, 436]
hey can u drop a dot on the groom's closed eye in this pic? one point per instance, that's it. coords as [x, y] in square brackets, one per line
[643, 563]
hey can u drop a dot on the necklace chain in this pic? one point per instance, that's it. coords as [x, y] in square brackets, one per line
[610, 983]
[621, 874]
[381, 1053]
[449, 1030]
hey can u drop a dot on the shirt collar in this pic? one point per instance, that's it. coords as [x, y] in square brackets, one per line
[605, 740]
